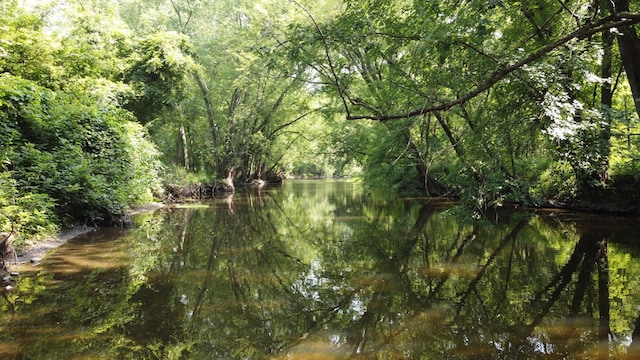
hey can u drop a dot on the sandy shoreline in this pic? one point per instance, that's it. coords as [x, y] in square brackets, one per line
[39, 249]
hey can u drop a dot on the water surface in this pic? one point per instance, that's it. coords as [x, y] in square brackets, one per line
[319, 270]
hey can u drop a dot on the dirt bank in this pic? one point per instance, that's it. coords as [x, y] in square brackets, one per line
[39, 249]
[34, 252]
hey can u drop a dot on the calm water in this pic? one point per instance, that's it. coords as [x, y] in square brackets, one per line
[316, 270]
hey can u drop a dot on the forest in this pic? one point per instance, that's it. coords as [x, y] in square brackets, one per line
[103, 103]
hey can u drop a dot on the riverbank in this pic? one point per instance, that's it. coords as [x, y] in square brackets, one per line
[33, 253]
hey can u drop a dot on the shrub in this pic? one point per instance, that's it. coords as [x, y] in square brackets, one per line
[558, 181]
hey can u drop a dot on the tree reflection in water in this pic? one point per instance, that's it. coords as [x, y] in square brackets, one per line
[319, 270]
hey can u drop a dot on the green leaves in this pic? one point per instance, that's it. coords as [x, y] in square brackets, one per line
[27, 214]
[25, 50]
[83, 156]
[159, 74]
[508, 82]
[68, 152]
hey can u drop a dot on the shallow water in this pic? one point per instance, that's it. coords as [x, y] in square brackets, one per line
[318, 270]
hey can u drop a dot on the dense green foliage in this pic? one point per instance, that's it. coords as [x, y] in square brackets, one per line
[486, 101]
[490, 102]
[70, 151]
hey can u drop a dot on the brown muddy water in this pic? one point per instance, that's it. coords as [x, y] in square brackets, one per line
[319, 270]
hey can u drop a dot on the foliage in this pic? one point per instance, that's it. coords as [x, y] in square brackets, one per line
[28, 215]
[178, 175]
[24, 50]
[243, 113]
[144, 170]
[158, 74]
[556, 182]
[71, 152]
[385, 167]
[625, 152]
[479, 100]
[506, 83]
[65, 146]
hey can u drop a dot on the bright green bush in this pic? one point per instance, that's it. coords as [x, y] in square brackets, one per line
[30, 215]
[145, 170]
[624, 161]
[71, 151]
[76, 148]
[558, 181]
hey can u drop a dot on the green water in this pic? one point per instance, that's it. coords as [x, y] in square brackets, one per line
[317, 270]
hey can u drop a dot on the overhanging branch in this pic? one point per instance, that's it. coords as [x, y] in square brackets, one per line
[617, 20]
[334, 75]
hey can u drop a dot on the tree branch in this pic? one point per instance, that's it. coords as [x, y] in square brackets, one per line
[616, 20]
[334, 75]
[294, 121]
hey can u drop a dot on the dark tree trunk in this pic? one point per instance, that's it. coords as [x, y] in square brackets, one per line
[606, 99]
[629, 45]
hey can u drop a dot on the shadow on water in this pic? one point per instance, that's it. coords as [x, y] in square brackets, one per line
[319, 270]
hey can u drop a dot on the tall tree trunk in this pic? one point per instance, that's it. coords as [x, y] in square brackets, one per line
[185, 147]
[212, 125]
[629, 46]
[606, 100]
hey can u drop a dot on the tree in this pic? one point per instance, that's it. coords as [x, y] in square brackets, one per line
[501, 83]
[70, 150]
[629, 45]
[159, 73]
[248, 94]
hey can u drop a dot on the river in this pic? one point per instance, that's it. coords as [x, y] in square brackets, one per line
[321, 270]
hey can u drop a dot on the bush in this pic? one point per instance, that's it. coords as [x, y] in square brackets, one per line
[624, 162]
[30, 215]
[558, 182]
[144, 175]
[76, 148]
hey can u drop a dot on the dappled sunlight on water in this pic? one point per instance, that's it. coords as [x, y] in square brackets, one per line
[79, 259]
[323, 345]
[319, 270]
[445, 270]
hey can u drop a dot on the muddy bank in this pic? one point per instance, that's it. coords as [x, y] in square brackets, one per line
[39, 249]
[31, 254]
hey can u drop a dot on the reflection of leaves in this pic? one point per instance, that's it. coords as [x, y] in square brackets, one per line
[337, 275]
[86, 308]
[623, 272]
